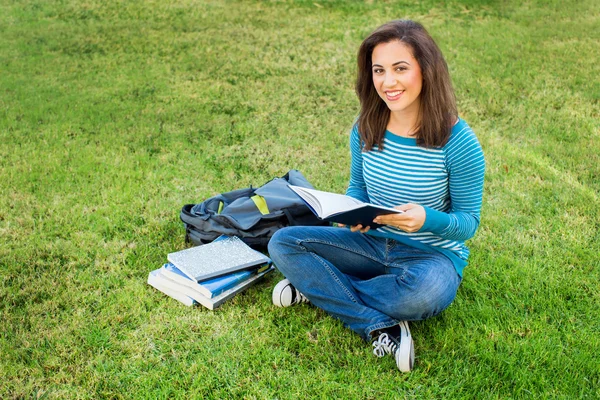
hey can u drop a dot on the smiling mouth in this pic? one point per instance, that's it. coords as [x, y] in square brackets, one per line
[394, 95]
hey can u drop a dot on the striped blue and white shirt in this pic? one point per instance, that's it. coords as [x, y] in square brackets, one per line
[447, 181]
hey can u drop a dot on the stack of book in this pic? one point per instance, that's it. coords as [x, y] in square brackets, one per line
[212, 273]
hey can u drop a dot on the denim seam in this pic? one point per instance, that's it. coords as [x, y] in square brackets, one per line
[387, 250]
[333, 275]
[401, 277]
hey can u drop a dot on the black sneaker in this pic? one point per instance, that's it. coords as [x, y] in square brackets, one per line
[400, 345]
[285, 295]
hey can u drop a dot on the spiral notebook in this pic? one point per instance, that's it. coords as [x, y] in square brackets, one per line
[223, 256]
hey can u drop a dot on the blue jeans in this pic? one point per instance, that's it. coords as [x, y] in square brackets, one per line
[367, 282]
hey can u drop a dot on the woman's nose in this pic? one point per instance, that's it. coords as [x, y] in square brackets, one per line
[390, 80]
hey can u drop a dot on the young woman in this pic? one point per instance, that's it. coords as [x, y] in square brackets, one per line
[410, 150]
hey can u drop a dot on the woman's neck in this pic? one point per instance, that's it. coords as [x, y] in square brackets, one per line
[403, 124]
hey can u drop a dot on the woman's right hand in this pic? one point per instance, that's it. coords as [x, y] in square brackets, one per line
[355, 228]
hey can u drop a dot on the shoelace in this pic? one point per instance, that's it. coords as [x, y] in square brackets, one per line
[299, 298]
[384, 345]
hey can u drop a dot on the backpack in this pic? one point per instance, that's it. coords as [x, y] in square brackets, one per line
[253, 215]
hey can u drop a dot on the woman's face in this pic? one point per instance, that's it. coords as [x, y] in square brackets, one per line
[397, 76]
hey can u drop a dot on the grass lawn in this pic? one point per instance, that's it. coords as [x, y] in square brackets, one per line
[113, 114]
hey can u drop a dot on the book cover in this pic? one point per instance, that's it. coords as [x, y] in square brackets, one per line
[211, 287]
[240, 287]
[333, 207]
[156, 282]
[210, 303]
[217, 258]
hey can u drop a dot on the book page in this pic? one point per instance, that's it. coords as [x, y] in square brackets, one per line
[326, 203]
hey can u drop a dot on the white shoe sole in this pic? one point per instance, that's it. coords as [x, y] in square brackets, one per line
[405, 355]
[278, 291]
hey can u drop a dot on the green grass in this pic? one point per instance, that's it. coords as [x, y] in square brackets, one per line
[114, 114]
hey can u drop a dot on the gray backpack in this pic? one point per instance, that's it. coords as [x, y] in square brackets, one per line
[253, 215]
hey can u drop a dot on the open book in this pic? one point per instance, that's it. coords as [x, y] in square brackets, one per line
[340, 208]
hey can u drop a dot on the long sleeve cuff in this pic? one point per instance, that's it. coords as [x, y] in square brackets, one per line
[435, 221]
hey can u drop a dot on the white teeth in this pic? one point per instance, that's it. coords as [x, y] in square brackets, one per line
[394, 94]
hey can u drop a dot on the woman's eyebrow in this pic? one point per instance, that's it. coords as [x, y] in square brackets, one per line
[393, 65]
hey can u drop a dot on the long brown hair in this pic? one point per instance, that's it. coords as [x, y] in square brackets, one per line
[437, 112]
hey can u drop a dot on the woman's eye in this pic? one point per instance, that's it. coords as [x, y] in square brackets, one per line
[400, 69]
[377, 71]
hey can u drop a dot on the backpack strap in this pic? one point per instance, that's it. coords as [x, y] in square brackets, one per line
[261, 204]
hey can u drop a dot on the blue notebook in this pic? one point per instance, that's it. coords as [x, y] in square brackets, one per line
[189, 296]
[211, 287]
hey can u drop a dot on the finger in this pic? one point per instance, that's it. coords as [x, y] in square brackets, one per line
[405, 207]
[365, 230]
[341, 225]
[389, 219]
[355, 228]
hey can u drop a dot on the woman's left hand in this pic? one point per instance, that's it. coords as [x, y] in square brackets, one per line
[411, 220]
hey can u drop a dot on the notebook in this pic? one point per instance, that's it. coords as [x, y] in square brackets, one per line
[214, 286]
[217, 258]
[157, 282]
[189, 296]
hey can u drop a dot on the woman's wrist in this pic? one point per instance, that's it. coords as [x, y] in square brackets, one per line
[435, 221]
